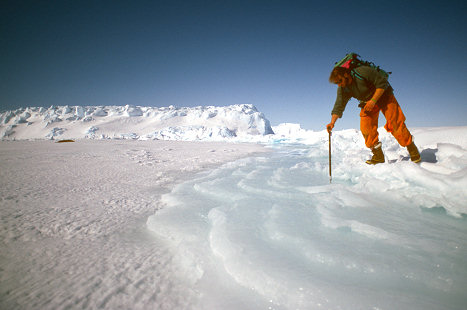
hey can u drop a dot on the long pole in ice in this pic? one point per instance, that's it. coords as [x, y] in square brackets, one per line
[330, 174]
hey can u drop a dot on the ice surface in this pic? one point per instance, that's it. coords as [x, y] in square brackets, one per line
[72, 228]
[112, 224]
[271, 233]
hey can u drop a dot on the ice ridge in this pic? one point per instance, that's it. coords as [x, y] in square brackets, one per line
[134, 122]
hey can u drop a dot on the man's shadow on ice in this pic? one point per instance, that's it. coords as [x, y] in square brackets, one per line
[427, 155]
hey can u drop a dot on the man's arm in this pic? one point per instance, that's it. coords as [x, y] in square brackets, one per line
[339, 106]
[330, 126]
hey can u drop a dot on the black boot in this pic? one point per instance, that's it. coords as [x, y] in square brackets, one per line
[378, 156]
[414, 154]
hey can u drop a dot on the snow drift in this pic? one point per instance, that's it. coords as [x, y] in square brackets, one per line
[133, 122]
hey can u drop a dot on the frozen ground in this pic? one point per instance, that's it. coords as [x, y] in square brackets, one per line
[73, 233]
[131, 224]
[270, 232]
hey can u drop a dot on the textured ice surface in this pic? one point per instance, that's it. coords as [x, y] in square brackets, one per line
[272, 233]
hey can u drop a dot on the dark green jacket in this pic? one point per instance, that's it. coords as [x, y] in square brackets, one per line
[363, 86]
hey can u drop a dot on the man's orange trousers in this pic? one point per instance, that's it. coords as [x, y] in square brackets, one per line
[395, 122]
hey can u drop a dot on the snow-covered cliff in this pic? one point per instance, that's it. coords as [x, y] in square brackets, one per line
[134, 122]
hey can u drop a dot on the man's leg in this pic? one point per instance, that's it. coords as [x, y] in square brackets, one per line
[395, 122]
[369, 128]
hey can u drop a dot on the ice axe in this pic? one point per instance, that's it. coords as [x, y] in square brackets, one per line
[330, 174]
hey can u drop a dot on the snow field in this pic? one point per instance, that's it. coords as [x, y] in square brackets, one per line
[73, 215]
[271, 233]
[113, 222]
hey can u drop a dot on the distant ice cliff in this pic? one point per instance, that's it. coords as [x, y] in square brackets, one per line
[134, 122]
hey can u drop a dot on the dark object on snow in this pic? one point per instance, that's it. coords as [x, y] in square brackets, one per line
[68, 140]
